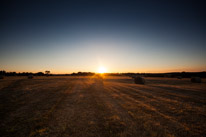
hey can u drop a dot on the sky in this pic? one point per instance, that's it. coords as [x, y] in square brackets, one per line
[121, 36]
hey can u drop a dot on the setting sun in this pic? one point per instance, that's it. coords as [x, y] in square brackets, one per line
[102, 70]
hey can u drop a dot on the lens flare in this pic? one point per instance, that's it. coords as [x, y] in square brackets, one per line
[102, 70]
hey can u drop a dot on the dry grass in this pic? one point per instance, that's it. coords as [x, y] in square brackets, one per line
[114, 106]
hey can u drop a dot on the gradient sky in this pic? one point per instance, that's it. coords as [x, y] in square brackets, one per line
[123, 36]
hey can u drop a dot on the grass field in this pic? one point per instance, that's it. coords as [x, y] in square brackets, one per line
[114, 106]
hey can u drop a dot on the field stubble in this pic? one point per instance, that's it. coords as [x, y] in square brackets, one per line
[114, 106]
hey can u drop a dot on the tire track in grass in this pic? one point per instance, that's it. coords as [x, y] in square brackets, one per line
[189, 114]
[74, 115]
[137, 114]
[152, 95]
[110, 122]
[90, 112]
[133, 126]
[32, 109]
[42, 126]
[169, 121]
[118, 116]
[170, 93]
[143, 96]
[7, 98]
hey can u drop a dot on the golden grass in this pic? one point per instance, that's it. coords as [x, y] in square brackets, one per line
[112, 106]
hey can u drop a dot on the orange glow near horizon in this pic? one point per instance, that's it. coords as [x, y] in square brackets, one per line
[104, 70]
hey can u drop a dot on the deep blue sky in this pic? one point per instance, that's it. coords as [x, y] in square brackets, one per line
[123, 36]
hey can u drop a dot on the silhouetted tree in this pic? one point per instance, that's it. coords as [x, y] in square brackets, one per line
[39, 74]
[47, 72]
[2, 72]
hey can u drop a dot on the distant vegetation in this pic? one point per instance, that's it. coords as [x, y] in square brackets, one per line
[4, 73]
[171, 75]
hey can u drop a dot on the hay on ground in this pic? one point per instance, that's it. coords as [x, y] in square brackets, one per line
[30, 77]
[1, 77]
[139, 80]
[196, 80]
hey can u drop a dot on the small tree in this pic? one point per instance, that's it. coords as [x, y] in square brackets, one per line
[47, 72]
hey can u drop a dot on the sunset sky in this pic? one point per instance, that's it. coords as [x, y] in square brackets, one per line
[121, 36]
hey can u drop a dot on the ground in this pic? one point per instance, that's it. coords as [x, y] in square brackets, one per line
[91, 106]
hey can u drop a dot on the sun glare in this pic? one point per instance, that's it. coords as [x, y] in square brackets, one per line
[102, 70]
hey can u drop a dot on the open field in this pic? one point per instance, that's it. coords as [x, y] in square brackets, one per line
[88, 106]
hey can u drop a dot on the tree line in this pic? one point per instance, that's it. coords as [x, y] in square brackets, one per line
[171, 75]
